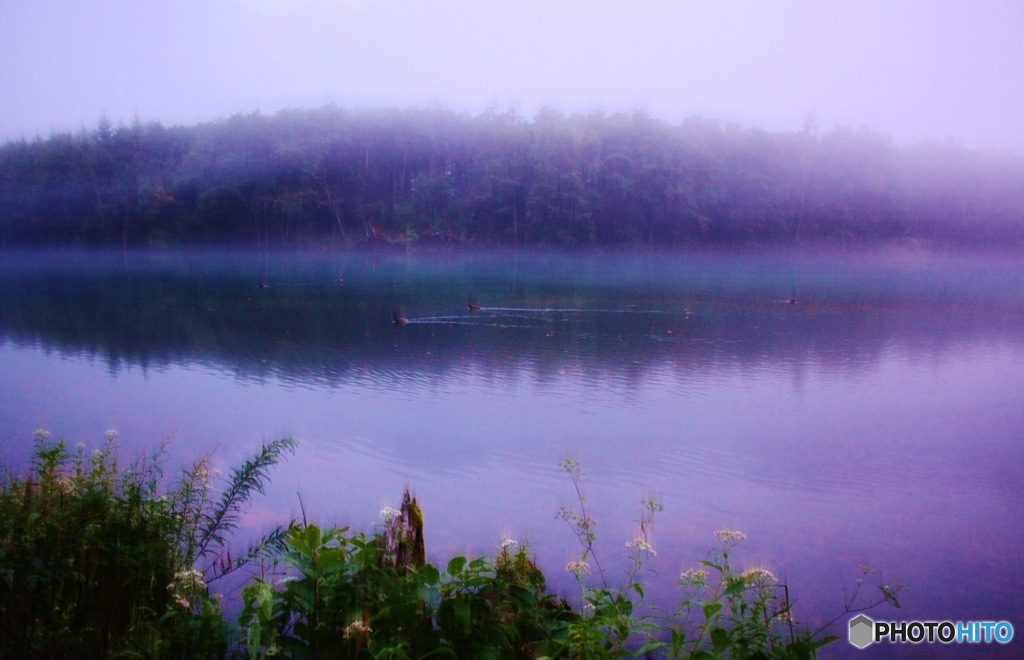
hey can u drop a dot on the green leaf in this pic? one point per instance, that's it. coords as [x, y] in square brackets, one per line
[312, 537]
[649, 646]
[719, 639]
[331, 558]
[455, 565]
[398, 652]
[735, 586]
[429, 595]
[826, 640]
[637, 588]
[711, 609]
[455, 615]
[430, 575]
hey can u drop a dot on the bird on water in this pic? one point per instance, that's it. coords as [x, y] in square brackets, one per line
[397, 316]
[473, 307]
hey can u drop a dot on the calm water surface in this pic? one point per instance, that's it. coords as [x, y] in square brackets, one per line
[878, 421]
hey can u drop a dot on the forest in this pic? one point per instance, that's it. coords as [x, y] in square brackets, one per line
[404, 178]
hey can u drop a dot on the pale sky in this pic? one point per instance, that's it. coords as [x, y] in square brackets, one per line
[917, 70]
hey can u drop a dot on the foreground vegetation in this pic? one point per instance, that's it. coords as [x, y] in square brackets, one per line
[330, 176]
[98, 559]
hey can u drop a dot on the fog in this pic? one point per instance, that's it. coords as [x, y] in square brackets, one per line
[396, 179]
[916, 71]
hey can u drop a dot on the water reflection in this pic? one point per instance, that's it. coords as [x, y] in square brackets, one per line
[615, 319]
[877, 420]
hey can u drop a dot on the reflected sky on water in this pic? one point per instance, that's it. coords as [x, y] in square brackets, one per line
[876, 421]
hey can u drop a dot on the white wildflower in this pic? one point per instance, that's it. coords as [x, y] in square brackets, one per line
[578, 568]
[80, 447]
[356, 628]
[642, 545]
[387, 514]
[192, 579]
[186, 583]
[758, 575]
[508, 543]
[111, 434]
[727, 537]
[693, 575]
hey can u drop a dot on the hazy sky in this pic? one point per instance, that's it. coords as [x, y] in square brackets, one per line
[914, 70]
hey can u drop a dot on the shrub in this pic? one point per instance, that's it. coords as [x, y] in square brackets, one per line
[96, 562]
[351, 595]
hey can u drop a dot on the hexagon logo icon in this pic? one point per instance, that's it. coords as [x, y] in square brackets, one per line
[862, 631]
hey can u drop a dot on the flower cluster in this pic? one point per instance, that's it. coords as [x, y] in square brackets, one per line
[727, 537]
[758, 575]
[356, 629]
[184, 585]
[508, 543]
[693, 575]
[192, 579]
[387, 514]
[641, 545]
[578, 568]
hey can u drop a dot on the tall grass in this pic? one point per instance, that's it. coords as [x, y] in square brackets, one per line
[97, 560]
[100, 559]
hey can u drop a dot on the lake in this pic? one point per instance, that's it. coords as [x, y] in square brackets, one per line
[878, 420]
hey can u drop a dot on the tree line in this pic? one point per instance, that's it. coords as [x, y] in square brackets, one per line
[430, 177]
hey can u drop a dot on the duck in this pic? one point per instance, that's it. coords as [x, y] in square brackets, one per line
[261, 284]
[473, 307]
[397, 317]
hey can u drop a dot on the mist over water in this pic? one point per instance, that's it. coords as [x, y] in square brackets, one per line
[874, 420]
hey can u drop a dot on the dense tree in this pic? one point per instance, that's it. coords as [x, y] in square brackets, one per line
[331, 176]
